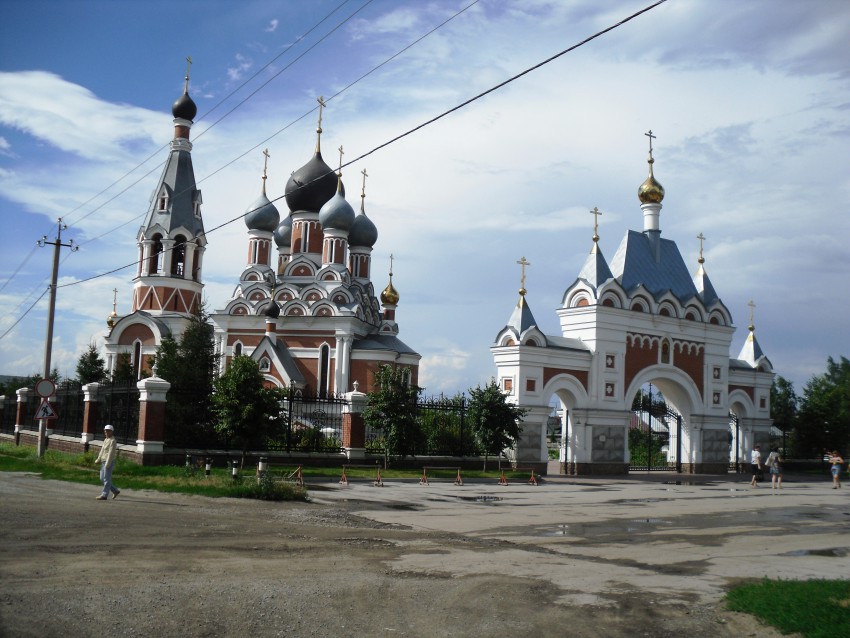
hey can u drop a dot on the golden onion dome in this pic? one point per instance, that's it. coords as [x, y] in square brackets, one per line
[650, 192]
[389, 294]
[110, 320]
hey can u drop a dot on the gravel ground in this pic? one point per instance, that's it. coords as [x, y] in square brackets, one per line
[155, 564]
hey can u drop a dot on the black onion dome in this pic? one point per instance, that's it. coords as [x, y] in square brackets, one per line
[273, 311]
[262, 215]
[283, 233]
[184, 108]
[337, 213]
[311, 185]
[363, 232]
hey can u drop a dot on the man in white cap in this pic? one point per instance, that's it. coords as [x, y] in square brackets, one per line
[107, 456]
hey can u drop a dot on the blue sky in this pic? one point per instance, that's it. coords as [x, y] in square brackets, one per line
[750, 105]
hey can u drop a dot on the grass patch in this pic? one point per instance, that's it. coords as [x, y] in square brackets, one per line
[812, 608]
[81, 468]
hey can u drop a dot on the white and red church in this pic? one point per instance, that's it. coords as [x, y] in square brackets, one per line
[304, 306]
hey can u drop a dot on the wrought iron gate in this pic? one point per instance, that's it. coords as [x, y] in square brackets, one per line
[655, 439]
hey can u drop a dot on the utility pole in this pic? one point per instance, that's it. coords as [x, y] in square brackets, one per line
[48, 344]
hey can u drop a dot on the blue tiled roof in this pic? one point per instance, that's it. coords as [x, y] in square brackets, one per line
[638, 262]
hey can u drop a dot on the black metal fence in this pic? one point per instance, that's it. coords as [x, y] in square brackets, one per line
[118, 405]
[9, 413]
[306, 423]
[69, 405]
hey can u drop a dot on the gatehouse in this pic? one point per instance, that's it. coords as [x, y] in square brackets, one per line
[639, 321]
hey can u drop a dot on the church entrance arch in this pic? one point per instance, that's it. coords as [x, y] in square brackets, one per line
[655, 434]
[661, 436]
[567, 401]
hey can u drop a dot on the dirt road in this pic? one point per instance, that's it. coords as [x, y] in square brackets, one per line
[578, 559]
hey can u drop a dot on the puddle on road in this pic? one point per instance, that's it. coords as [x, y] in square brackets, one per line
[832, 552]
[479, 499]
[581, 530]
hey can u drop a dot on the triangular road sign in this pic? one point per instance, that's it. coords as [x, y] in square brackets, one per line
[45, 411]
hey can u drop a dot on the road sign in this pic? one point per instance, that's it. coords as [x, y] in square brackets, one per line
[45, 388]
[45, 411]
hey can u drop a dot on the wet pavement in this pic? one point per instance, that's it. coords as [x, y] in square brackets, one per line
[686, 538]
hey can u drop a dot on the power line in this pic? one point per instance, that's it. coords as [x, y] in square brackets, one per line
[402, 135]
[410, 131]
[156, 152]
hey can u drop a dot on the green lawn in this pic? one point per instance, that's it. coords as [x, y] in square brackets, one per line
[80, 468]
[812, 608]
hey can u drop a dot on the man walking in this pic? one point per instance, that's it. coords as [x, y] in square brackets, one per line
[108, 455]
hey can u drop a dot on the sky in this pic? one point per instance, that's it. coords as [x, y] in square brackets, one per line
[749, 102]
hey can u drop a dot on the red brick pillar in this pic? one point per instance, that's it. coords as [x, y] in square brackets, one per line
[151, 439]
[353, 426]
[90, 412]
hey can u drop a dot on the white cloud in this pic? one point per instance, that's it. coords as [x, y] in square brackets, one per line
[272, 26]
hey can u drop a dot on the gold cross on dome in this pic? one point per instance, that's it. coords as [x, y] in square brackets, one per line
[596, 213]
[523, 263]
[651, 137]
[114, 298]
[701, 238]
[391, 265]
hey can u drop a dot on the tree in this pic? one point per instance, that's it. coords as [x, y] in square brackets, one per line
[190, 367]
[393, 409]
[823, 421]
[123, 372]
[245, 412]
[783, 405]
[90, 367]
[495, 421]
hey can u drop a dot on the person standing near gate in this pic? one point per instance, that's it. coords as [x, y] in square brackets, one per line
[773, 466]
[755, 462]
[107, 457]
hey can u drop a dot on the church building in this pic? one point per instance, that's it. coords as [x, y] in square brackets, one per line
[640, 319]
[304, 306]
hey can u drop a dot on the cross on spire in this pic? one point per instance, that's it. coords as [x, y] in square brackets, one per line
[341, 153]
[114, 299]
[363, 189]
[523, 263]
[321, 101]
[596, 213]
[651, 137]
[188, 66]
[391, 266]
[265, 168]
[752, 308]
[701, 238]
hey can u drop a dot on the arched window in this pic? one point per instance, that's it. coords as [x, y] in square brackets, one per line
[178, 256]
[137, 359]
[237, 350]
[665, 351]
[156, 255]
[324, 369]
